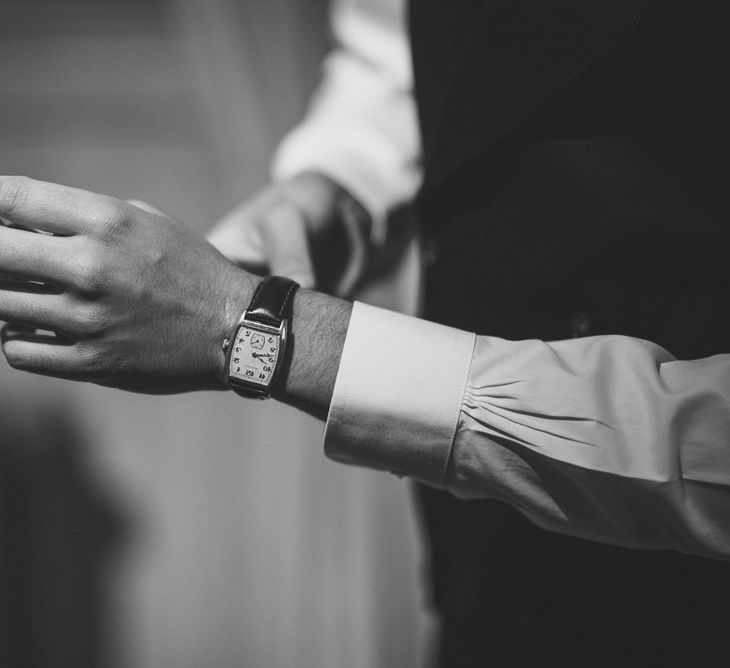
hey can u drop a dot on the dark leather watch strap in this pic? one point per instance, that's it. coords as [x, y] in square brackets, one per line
[271, 306]
[271, 301]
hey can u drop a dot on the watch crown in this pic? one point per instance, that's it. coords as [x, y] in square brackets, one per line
[226, 343]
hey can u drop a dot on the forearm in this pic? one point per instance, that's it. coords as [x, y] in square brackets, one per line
[609, 438]
[319, 326]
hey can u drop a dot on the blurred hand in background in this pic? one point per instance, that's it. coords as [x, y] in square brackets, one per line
[307, 228]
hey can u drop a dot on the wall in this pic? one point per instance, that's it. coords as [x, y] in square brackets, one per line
[196, 530]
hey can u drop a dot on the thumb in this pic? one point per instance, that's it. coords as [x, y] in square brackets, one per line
[237, 236]
[284, 235]
[357, 224]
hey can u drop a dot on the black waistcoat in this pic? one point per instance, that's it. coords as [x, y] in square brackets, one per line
[577, 161]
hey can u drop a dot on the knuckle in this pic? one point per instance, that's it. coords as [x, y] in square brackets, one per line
[89, 319]
[13, 193]
[92, 359]
[90, 274]
[109, 216]
[87, 357]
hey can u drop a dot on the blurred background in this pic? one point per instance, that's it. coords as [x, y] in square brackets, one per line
[200, 530]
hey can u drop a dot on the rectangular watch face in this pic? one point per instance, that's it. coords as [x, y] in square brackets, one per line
[254, 354]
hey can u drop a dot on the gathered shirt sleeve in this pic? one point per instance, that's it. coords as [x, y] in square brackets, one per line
[361, 128]
[608, 438]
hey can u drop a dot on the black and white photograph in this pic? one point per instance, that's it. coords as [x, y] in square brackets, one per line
[364, 334]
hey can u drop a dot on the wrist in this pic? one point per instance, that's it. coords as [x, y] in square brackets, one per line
[237, 289]
[319, 328]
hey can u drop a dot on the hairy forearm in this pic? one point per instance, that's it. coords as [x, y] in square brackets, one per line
[319, 326]
[317, 336]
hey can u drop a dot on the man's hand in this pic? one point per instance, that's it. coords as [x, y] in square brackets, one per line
[307, 228]
[133, 298]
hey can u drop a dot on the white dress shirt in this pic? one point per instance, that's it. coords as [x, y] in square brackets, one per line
[361, 129]
[608, 438]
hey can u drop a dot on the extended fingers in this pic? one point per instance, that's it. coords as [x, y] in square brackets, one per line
[34, 256]
[49, 311]
[45, 354]
[56, 208]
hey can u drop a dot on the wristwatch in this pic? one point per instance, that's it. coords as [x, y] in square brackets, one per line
[256, 353]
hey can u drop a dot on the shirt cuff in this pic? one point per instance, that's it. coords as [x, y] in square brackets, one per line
[398, 394]
[364, 166]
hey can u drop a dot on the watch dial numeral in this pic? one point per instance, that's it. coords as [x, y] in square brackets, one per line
[254, 355]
